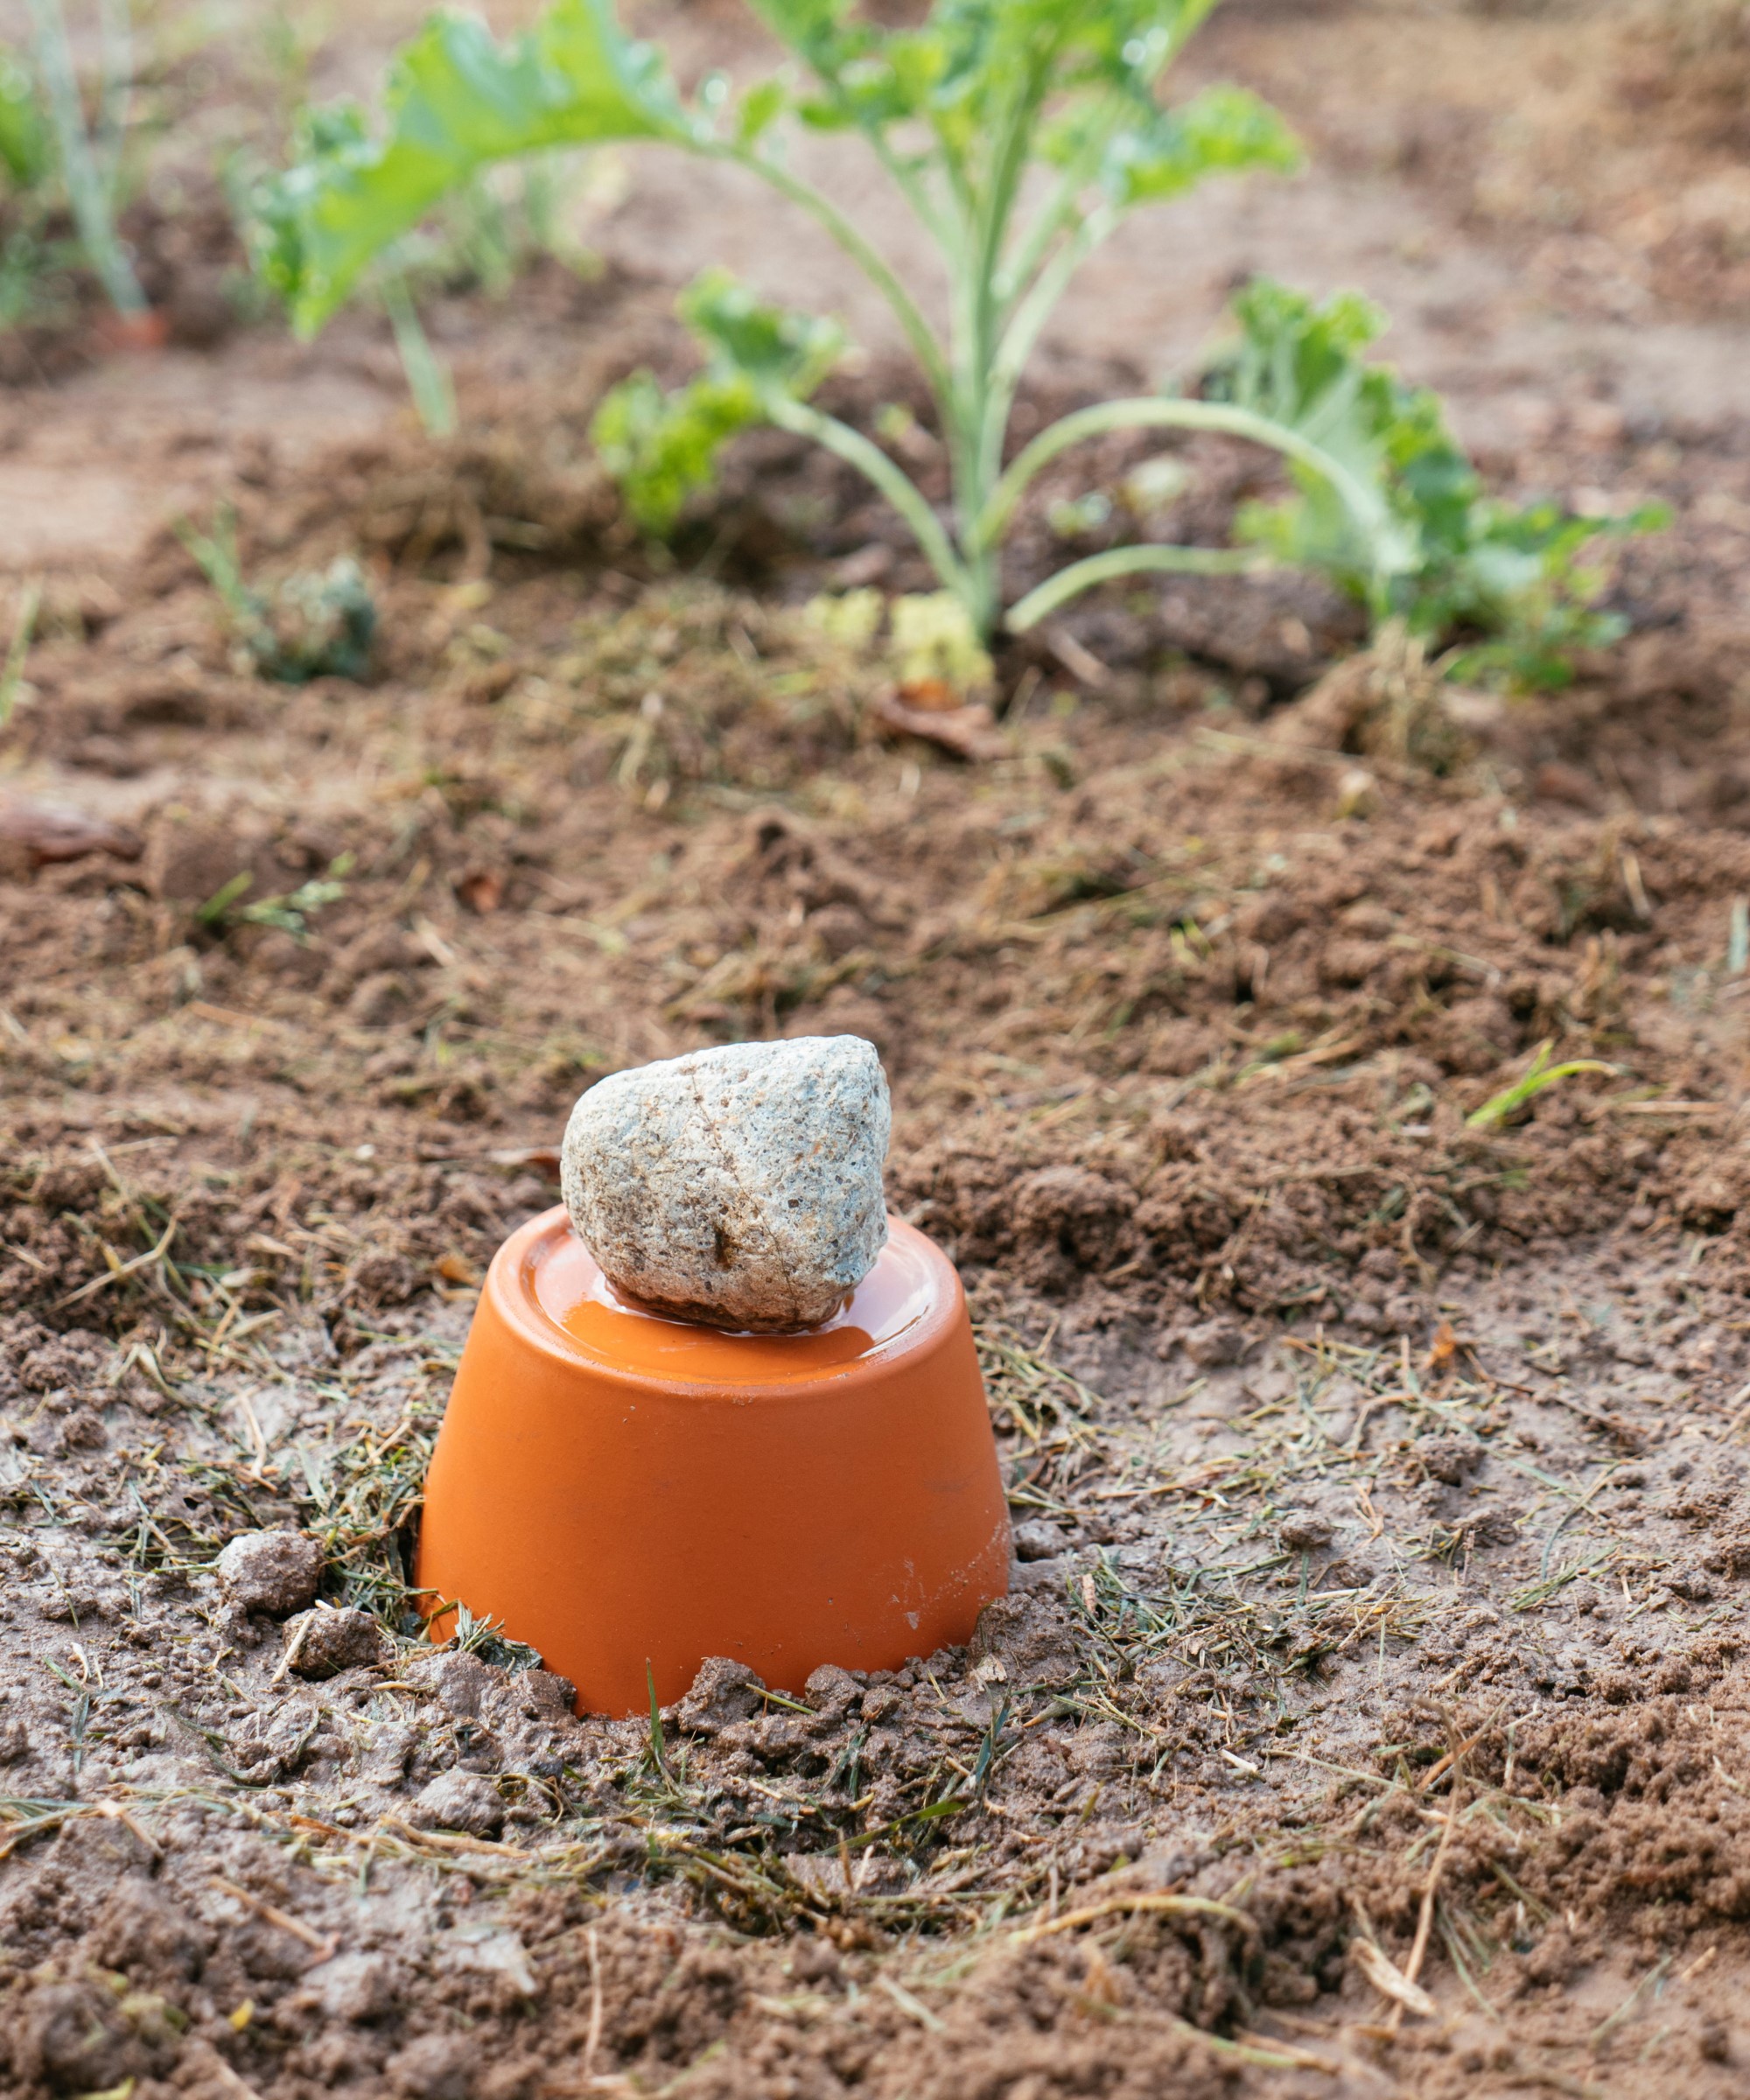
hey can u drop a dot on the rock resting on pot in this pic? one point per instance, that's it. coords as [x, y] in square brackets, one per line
[740, 1186]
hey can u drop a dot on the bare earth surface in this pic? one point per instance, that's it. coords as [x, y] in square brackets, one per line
[1369, 1713]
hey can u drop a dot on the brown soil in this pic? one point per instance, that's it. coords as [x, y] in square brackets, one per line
[1381, 1481]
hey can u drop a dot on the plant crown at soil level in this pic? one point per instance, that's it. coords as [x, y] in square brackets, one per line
[1021, 133]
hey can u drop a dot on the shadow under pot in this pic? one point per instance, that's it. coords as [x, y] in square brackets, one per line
[630, 1494]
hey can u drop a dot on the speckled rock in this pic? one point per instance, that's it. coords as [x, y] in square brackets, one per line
[271, 1571]
[740, 1188]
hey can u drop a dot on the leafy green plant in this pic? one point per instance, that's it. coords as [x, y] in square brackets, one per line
[1439, 554]
[1021, 133]
[490, 230]
[320, 624]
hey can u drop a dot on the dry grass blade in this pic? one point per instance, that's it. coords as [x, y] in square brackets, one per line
[1273, 2046]
[1390, 1982]
[445, 1841]
[1160, 1906]
[1264, 2050]
[910, 2004]
[319, 1942]
[148, 1259]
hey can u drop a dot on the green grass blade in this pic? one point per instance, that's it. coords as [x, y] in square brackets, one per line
[1537, 1075]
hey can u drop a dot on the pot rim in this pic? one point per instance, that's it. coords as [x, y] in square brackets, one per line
[510, 1287]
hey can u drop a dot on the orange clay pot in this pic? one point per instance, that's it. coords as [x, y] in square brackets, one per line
[621, 1489]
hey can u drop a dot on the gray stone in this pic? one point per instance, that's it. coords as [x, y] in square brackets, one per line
[740, 1186]
[272, 1571]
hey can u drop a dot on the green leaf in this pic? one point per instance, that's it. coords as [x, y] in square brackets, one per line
[814, 29]
[1537, 1075]
[657, 1745]
[26, 146]
[458, 100]
[771, 347]
[662, 448]
[760, 109]
[1221, 131]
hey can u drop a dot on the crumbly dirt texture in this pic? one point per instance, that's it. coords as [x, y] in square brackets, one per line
[1369, 1713]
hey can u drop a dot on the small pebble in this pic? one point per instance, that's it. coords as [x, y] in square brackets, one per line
[739, 1187]
[272, 1571]
[1305, 1533]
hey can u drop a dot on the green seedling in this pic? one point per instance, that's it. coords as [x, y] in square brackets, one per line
[291, 913]
[488, 232]
[37, 259]
[658, 1743]
[1500, 1108]
[320, 624]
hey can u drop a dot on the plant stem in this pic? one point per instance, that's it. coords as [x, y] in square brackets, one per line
[1127, 561]
[1155, 413]
[89, 195]
[869, 260]
[1022, 335]
[118, 89]
[893, 482]
[978, 318]
[434, 398]
[1059, 207]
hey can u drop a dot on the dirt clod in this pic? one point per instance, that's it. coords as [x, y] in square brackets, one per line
[323, 1642]
[272, 1571]
[458, 1801]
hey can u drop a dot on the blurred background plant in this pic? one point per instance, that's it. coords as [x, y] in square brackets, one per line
[1509, 586]
[317, 624]
[486, 235]
[65, 160]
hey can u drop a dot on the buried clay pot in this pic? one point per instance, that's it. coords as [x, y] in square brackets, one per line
[624, 1491]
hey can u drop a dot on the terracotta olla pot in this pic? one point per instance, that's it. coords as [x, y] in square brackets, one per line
[627, 1492]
